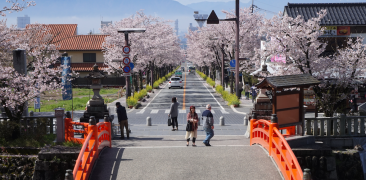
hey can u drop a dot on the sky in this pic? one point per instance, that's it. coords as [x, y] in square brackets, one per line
[89, 13]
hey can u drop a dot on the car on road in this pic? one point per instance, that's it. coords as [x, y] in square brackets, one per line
[192, 70]
[176, 82]
[178, 73]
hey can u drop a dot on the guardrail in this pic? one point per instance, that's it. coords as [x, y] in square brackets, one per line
[267, 134]
[98, 137]
[30, 124]
[336, 126]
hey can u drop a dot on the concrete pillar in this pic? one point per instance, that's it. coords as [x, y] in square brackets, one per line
[60, 124]
[307, 174]
[246, 120]
[20, 66]
[69, 175]
[148, 121]
[199, 122]
[222, 121]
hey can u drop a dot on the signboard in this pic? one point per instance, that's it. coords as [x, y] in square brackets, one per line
[232, 69]
[126, 61]
[132, 66]
[343, 30]
[232, 63]
[330, 31]
[37, 103]
[126, 49]
[126, 69]
[66, 83]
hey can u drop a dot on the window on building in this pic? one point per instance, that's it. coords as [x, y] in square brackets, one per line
[89, 57]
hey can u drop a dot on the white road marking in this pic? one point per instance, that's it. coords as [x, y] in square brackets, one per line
[167, 111]
[213, 96]
[198, 111]
[141, 112]
[232, 107]
[155, 96]
[224, 112]
[182, 111]
[154, 111]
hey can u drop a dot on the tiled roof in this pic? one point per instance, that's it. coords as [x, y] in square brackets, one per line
[287, 81]
[82, 42]
[337, 13]
[60, 31]
[78, 67]
[66, 38]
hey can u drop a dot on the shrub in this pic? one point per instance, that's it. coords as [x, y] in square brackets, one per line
[148, 88]
[131, 101]
[138, 95]
[143, 92]
[156, 84]
[219, 89]
[233, 100]
[225, 95]
[163, 79]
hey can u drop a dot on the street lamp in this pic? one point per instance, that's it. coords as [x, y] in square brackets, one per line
[213, 19]
[126, 31]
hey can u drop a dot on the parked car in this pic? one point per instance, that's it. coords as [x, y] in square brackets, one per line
[176, 82]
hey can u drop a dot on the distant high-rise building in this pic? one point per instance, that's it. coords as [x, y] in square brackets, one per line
[176, 27]
[192, 28]
[105, 23]
[23, 21]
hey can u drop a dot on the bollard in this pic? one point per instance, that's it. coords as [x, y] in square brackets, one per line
[60, 131]
[222, 121]
[31, 113]
[69, 175]
[199, 122]
[148, 121]
[246, 119]
[307, 174]
[274, 118]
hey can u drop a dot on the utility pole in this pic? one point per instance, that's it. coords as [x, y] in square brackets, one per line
[252, 6]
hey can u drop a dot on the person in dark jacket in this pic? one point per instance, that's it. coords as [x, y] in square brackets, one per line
[208, 125]
[174, 113]
[122, 119]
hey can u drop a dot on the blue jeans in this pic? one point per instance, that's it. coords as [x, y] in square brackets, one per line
[209, 135]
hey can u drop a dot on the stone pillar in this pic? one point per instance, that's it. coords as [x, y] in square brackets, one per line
[246, 119]
[60, 125]
[20, 66]
[69, 175]
[222, 121]
[148, 121]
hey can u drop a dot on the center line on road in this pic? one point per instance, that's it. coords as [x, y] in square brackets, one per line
[184, 92]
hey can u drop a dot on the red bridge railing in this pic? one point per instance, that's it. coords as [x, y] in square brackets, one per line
[267, 134]
[96, 137]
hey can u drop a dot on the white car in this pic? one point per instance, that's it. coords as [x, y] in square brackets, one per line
[176, 82]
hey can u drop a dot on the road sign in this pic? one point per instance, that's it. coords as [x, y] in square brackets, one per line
[126, 61]
[132, 65]
[232, 69]
[126, 74]
[126, 55]
[117, 60]
[126, 49]
[126, 69]
[232, 63]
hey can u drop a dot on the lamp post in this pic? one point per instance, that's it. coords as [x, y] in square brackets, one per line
[126, 31]
[213, 19]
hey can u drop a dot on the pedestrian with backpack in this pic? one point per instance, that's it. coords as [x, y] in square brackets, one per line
[208, 125]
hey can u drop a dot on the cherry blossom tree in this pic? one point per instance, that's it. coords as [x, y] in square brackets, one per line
[41, 54]
[205, 46]
[156, 47]
[16, 6]
[301, 48]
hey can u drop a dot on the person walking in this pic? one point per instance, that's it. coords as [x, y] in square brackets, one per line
[174, 113]
[122, 120]
[192, 118]
[254, 93]
[208, 125]
[247, 90]
[226, 79]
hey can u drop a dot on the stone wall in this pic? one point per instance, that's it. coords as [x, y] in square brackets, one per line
[331, 164]
[17, 167]
[53, 162]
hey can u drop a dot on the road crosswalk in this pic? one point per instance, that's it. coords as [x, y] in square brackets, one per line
[181, 111]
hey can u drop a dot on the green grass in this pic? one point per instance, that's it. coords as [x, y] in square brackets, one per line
[48, 106]
[85, 92]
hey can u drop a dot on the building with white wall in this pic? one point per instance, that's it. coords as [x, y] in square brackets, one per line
[23, 21]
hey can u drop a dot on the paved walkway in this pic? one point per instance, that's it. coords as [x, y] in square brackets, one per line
[167, 157]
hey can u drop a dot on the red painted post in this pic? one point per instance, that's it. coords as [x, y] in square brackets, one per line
[68, 126]
[108, 126]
